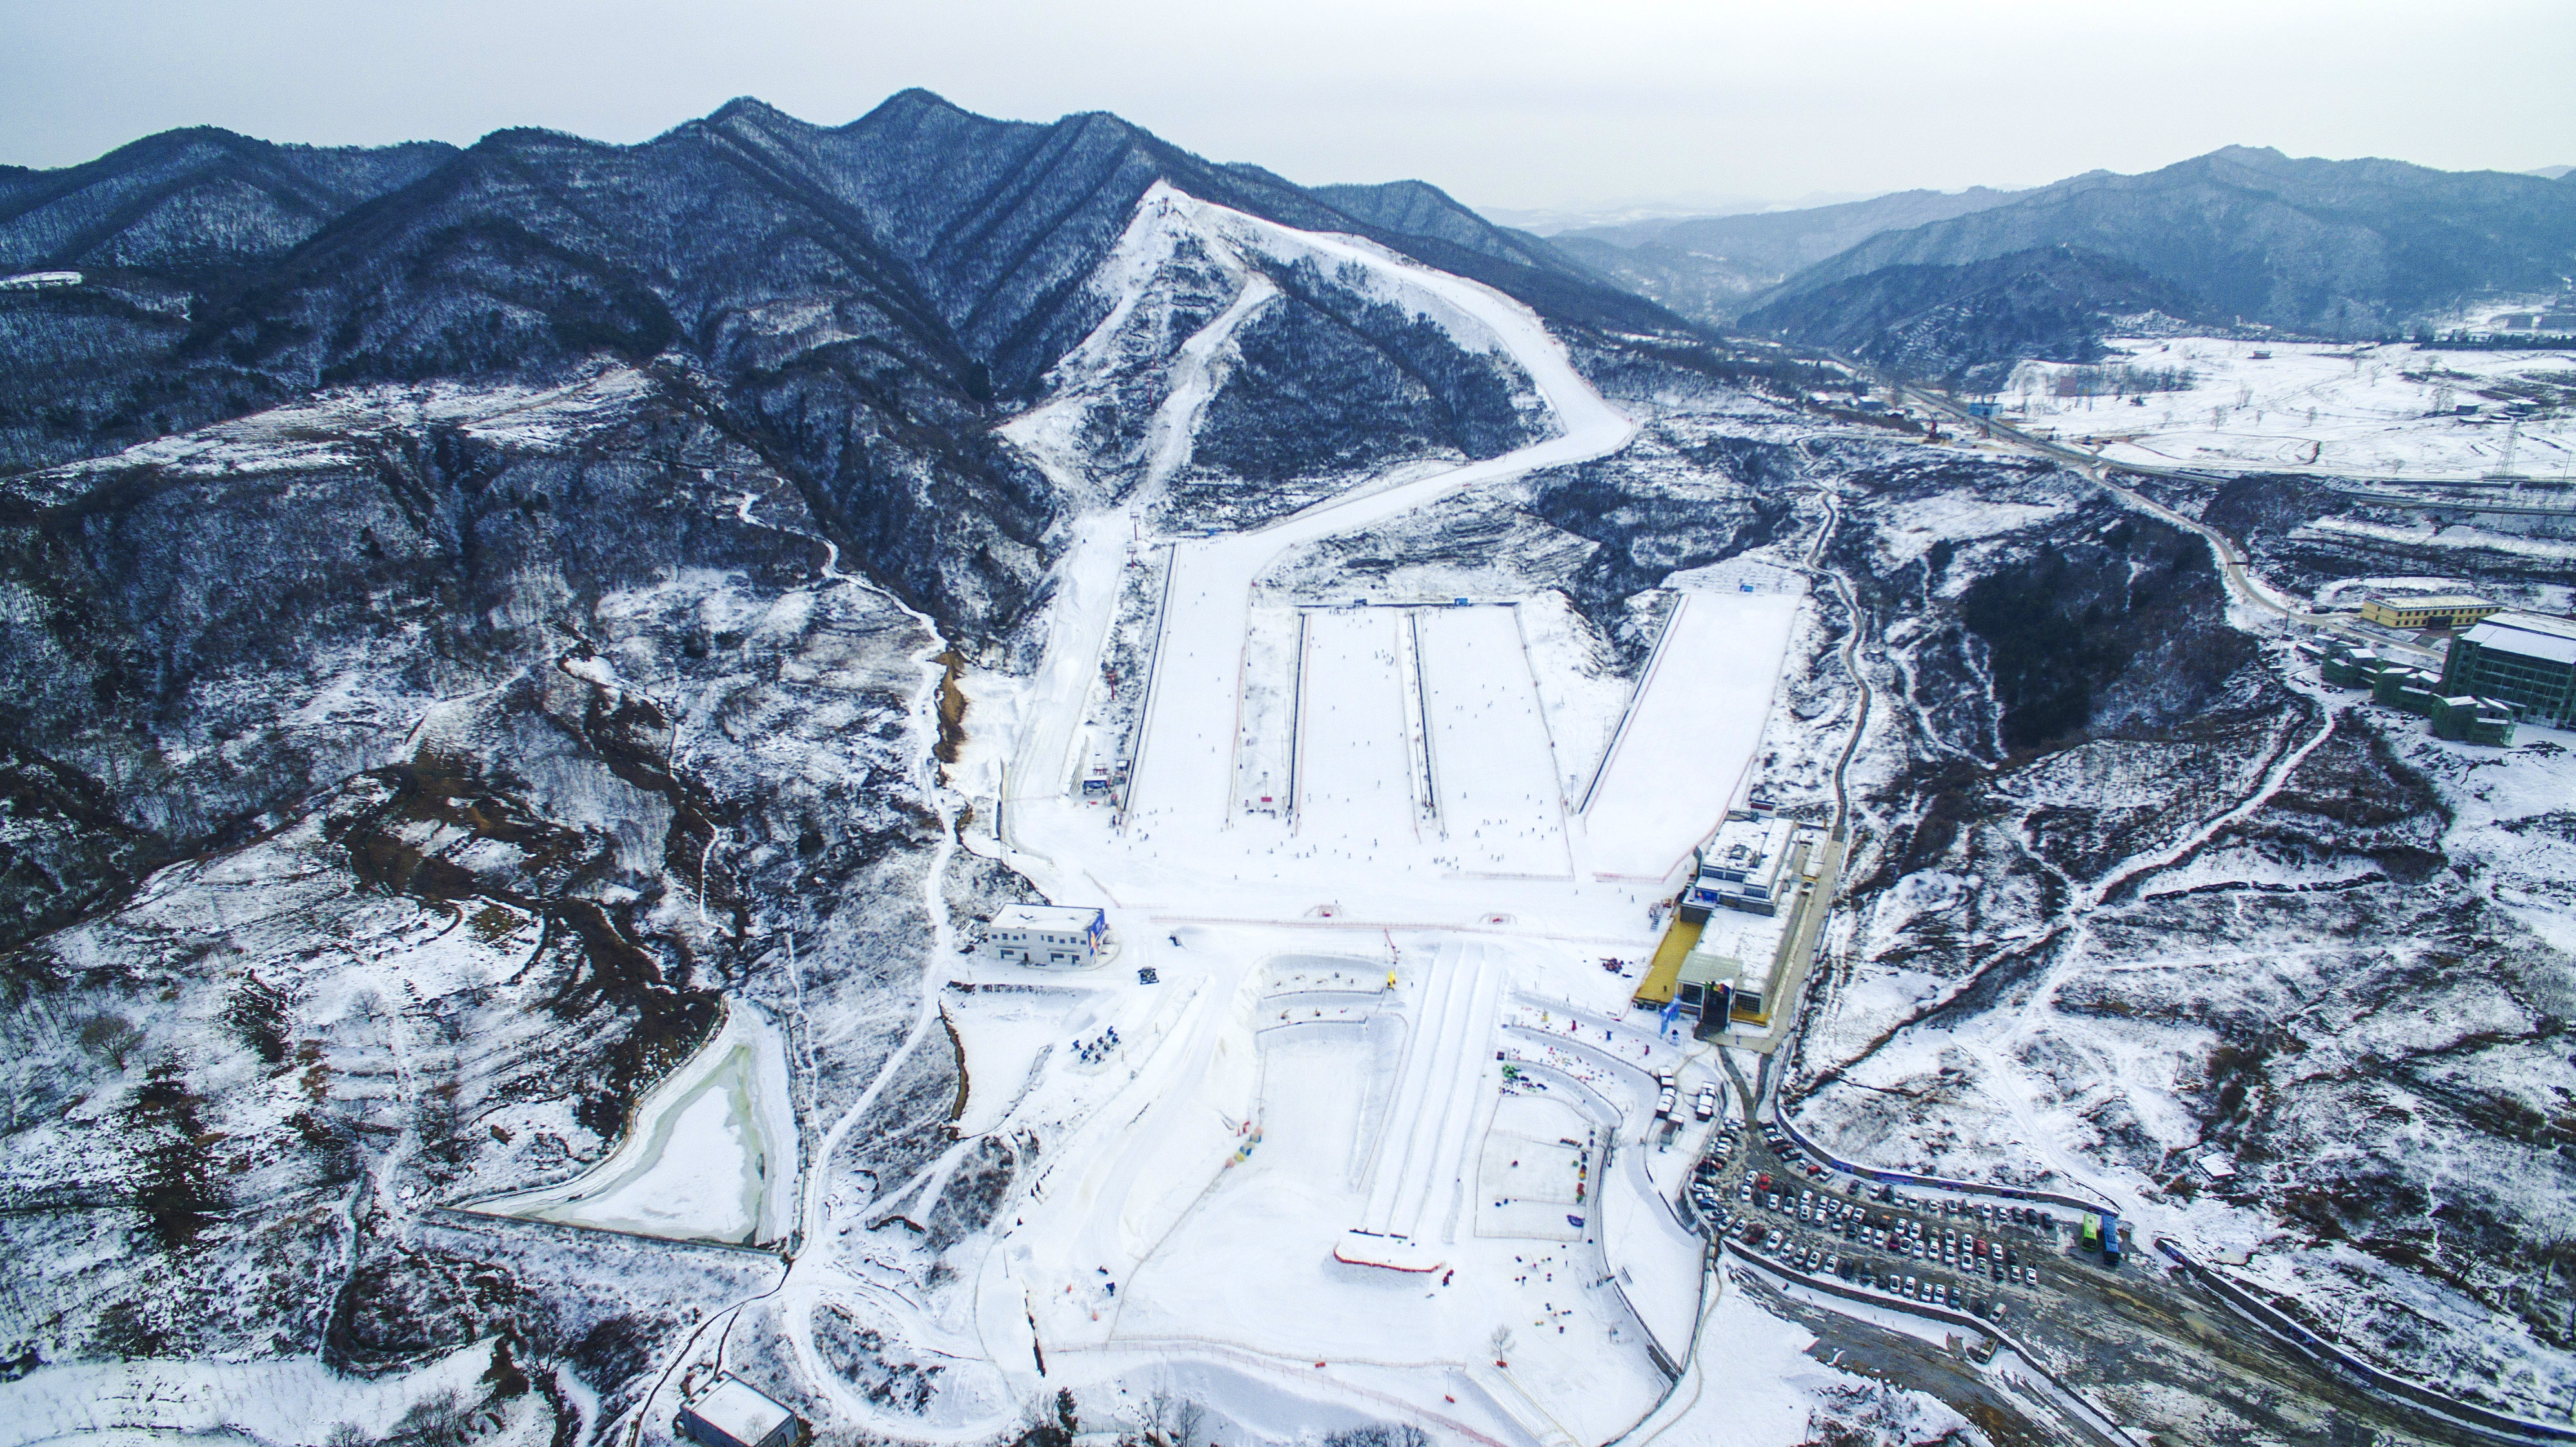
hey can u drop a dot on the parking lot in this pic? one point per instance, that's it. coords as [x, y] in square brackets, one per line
[2152, 1349]
[1990, 1259]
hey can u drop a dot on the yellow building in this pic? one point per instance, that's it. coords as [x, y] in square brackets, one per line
[2440, 610]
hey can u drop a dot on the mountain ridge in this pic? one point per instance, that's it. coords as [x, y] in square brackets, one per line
[2308, 245]
[863, 298]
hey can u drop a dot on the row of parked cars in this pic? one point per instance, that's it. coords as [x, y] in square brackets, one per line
[1708, 1177]
[1963, 1238]
[1814, 1260]
[1792, 1157]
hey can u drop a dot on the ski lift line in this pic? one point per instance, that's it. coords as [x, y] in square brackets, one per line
[1234, 740]
[1529, 665]
[1645, 679]
[1153, 682]
[1408, 639]
[1422, 705]
[1297, 729]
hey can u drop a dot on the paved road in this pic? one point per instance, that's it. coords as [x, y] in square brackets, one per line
[2243, 583]
[2149, 1346]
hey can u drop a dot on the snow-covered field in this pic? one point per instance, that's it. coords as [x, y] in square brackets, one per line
[298, 1402]
[2348, 410]
[1350, 1125]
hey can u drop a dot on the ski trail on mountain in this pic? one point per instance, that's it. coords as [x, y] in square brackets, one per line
[1185, 763]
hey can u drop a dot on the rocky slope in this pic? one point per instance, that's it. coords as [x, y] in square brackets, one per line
[1967, 326]
[2136, 892]
[2330, 248]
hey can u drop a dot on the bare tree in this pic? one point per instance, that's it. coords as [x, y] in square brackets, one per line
[1171, 1421]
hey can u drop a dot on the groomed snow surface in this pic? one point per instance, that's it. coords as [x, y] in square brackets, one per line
[710, 1156]
[1354, 851]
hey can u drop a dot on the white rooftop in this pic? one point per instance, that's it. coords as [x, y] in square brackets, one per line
[1750, 939]
[2435, 600]
[2534, 635]
[734, 1408]
[1044, 916]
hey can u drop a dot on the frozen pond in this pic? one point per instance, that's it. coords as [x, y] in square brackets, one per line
[710, 1156]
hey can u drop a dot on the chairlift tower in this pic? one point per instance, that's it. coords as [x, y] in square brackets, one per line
[2504, 468]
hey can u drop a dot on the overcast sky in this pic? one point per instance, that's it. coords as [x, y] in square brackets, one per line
[1506, 103]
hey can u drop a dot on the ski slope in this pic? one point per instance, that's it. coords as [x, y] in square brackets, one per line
[1348, 850]
[1418, 1162]
[1183, 768]
[1353, 762]
[1685, 753]
[1495, 762]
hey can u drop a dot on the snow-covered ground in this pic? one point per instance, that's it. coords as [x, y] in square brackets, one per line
[1354, 854]
[709, 1156]
[296, 1401]
[1376, 1141]
[2347, 410]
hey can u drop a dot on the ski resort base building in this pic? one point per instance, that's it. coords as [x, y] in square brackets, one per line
[1747, 866]
[1048, 934]
[1716, 990]
[2525, 661]
[2440, 610]
[2455, 713]
[1731, 947]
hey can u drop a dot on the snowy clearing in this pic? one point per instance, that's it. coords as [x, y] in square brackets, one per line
[2350, 410]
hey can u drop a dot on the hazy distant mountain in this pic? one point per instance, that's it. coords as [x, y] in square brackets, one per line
[1554, 221]
[1710, 267]
[1785, 241]
[2552, 173]
[184, 201]
[1968, 324]
[2329, 248]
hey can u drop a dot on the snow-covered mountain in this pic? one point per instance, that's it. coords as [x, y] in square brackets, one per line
[1959, 286]
[526, 656]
